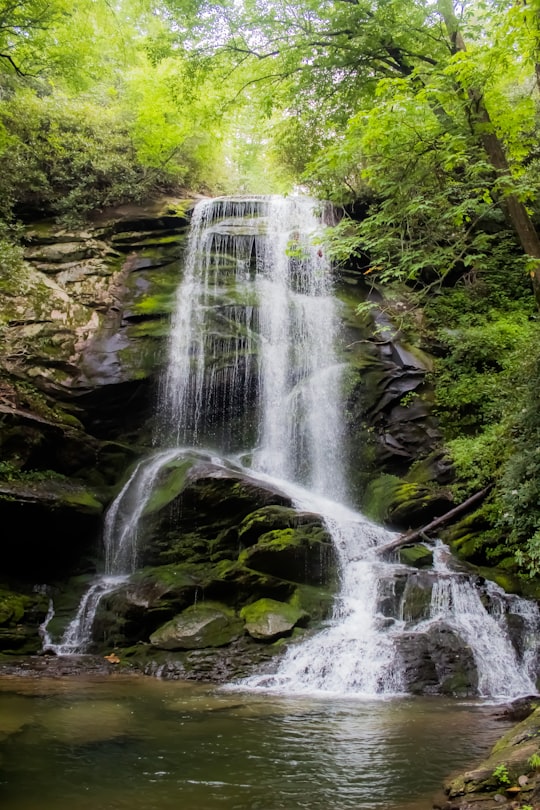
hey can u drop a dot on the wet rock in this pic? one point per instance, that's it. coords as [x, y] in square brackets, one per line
[416, 598]
[437, 662]
[197, 627]
[511, 756]
[418, 556]
[267, 619]
[304, 555]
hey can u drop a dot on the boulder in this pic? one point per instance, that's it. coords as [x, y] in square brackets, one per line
[204, 625]
[267, 619]
[418, 555]
[304, 554]
[437, 661]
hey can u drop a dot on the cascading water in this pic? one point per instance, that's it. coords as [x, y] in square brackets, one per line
[254, 373]
[120, 538]
[282, 357]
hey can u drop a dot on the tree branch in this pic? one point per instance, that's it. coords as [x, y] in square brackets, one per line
[15, 67]
[405, 539]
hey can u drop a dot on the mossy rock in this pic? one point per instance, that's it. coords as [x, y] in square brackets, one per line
[268, 620]
[239, 584]
[196, 510]
[415, 505]
[315, 600]
[304, 554]
[273, 517]
[17, 607]
[20, 617]
[418, 556]
[209, 624]
[170, 483]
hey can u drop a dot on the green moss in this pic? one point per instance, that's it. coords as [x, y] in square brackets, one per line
[267, 519]
[316, 601]
[418, 556]
[171, 482]
[379, 495]
[18, 608]
[85, 501]
[155, 305]
[268, 619]
[258, 610]
[12, 607]
[155, 329]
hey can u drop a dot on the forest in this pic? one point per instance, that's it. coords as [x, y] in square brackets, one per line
[417, 119]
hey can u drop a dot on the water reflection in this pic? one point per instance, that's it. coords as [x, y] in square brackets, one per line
[145, 744]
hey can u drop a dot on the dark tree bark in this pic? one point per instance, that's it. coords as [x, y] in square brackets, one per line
[515, 211]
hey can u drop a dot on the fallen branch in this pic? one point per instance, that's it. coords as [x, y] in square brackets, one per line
[405, 539]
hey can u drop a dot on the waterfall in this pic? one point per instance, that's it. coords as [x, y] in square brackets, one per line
[120, 540]
[281, 357]
[255, 374]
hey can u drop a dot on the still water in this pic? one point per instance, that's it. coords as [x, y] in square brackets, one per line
[146, 744]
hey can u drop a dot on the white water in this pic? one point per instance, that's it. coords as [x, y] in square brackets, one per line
[456, 602]
[285, 348]
[120, 539]
[255, 332]
[358, 653]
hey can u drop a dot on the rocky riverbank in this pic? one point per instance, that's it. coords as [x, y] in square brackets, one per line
[509, 777]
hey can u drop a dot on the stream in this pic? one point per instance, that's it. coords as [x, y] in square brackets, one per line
[146, 744]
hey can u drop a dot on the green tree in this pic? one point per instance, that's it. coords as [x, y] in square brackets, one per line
[417, 78]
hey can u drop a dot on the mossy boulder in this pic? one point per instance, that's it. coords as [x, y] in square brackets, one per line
[208, 624]
[403, 503]
[418, 555]
[196, 508]
[270, 518]
[304, 554]
[267, 619]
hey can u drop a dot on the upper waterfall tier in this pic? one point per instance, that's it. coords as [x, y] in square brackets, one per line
[253, 363]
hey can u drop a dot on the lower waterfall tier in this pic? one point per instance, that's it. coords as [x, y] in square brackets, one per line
[234, 563]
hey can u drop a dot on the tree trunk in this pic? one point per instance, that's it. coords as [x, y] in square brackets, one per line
[515, 211]
[418, 534]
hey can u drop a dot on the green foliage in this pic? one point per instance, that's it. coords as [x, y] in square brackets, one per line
[534, 761]
[520, 495]
[68, 156]
[501, 774]
[476, 378]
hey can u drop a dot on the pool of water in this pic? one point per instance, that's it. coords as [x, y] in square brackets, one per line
[146, 744]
